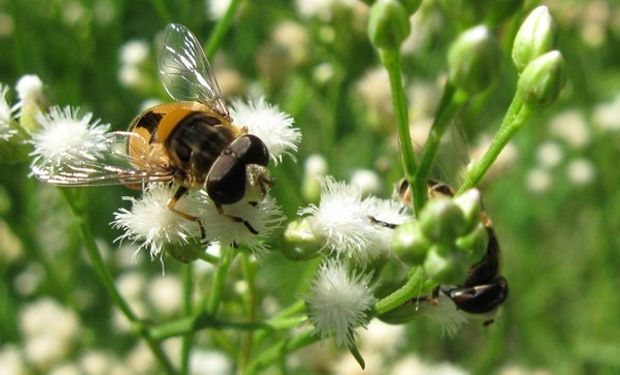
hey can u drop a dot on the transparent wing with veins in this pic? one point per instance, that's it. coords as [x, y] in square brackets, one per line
[185, 71]
[112, 164]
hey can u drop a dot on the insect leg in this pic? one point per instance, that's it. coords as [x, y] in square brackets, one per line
[181, 191]
[374, 220]
[236, 219]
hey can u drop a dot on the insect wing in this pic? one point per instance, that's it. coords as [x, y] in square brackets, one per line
[185, 71]
[110, 164]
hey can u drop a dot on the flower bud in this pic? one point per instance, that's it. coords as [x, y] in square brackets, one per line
[474, 60]
[535, 37]
[474, 244]
[442, 221]
[542, 80]
[184, 253]
[409, 243]
[388, 24]
[445, 269]
[471, 204]
[300, 241]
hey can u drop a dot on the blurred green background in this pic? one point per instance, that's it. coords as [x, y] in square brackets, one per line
[553, 196]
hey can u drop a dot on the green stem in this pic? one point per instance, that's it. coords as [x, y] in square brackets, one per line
[414, 286]
[212, 259]
[106, 279]
[188, 338]
[278, 351]
[249, 270]
[222, 26]
[391, 61]
[298, 307]
[219, 278]
[448, 106]
[513, 121]
[161, 10]
[192, 324]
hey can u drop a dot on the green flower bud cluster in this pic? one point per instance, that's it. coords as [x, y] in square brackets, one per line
[474, 60]
[447, 238]
[388, 22]
[542, 67]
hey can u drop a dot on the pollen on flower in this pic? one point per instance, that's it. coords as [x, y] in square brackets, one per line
[339, 301]
[63, 135]
[264, 217]
[151, 224]
[273, 127]
[342, 220]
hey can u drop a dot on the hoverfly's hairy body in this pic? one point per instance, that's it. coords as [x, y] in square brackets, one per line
[190, 141]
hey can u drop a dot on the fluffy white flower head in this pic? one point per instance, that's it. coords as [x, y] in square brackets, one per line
[342, 220]
[6, 115]
[339, 301]
[63, 135]
[152, 224]
[264, 217]
[445, 314]
[273, 127]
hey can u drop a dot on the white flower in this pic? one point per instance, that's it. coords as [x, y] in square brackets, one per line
[216, 8]
[6, 115]
[63, 135]
[152, 224]
[165, 294]
[367, 180]
[339, 301]
[385, 212]
[607, 115]
[581, 171]
[12, 361]
[264, 218]
[444, 313]
[538, 180]
[273, 127]
[342, 220]
[134, 52]
[571, 127]
[210, 362]
[549, 154]
[29, 88]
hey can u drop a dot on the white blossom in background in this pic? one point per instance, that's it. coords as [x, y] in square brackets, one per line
[549, 154]
[151, 224]
[339, 301]
[96, 362]
[12, 361]
[216, 8]
[63, 135]
[65, 369]
[445, 314]
[210, 362]
[267, 122]
[50, 331]
[571, 127]
[264, 218]
[383, 338]
[165, 294]
[538, 180]
[367, 180]
[6, 115]
[134, 52]
[412, 364]
[581, 171]
[606, 116]
[507, 157]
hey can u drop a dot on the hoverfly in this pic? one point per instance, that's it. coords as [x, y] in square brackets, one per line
[484, 290]
[190, 141]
